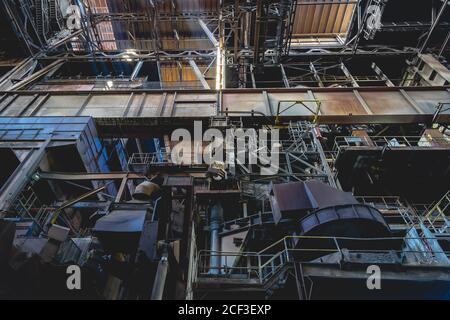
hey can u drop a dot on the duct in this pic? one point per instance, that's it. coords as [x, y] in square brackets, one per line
[340, 227]
[215, 226]
[145, 190]
[295, 200]
[324, 222]
[120, 230]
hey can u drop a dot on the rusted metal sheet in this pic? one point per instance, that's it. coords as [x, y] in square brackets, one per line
[387, 103]
[340, 103]
[337, 105]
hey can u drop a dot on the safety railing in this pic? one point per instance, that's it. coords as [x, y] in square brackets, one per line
[394, 211]
[246, 222]
[397, 215]
[260, 267]
[140, 162]
[344, 142]
[255, 190]
[382, 202]
[146, 158]
[438, 218]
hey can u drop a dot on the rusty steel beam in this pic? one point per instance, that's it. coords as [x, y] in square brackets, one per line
[338, 105]
[83, 176]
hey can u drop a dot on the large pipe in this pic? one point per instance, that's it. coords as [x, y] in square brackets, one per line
[216, 222]
[160, 278]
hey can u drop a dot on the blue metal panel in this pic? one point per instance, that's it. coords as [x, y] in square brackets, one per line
[79, 129]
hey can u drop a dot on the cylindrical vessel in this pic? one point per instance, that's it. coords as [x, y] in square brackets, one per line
[216, 221]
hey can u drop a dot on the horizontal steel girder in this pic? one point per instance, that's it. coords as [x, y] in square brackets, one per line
[337, 105]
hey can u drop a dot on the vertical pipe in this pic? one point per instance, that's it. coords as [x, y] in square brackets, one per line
[244, 209]
[216, 221]
[160, 278]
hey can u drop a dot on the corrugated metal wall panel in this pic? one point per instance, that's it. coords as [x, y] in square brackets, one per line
[321, 19]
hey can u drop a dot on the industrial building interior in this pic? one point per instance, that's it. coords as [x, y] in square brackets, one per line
[350, 98]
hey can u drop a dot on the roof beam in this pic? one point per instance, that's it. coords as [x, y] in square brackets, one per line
[136, 70]
[208, 33]
[434, 25]
[382, 76]
[199, 74]
[37, 75]
[349, 75]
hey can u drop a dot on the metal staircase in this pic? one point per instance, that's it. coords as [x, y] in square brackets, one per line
[55, 15]
[254, 190]
[39, 17]
[297, 133]
[305, 155]
[30, 211]
[397, 215]
[242, 224]
[267, 270]
[437, 219]
[262, 271]
[140, 162]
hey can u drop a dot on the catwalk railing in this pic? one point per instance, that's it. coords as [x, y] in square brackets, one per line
[438, 217]
[261, 266]
[342, 143]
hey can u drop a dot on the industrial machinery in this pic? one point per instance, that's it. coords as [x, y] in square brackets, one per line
[248, 149]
